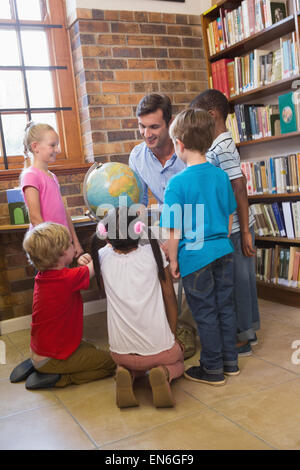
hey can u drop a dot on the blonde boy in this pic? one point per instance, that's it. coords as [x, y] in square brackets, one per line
[58, 355]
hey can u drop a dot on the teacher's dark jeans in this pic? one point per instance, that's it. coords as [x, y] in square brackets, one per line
[209, 293]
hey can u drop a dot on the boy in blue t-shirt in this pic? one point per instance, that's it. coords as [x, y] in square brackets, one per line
[197, 210]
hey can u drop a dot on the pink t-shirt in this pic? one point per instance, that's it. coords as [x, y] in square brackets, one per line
[51, 203]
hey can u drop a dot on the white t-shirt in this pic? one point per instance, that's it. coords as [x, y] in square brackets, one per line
[136, 316]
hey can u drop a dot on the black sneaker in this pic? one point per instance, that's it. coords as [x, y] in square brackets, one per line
[197, 374]
[231, 370]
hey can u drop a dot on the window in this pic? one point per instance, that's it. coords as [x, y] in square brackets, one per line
[36, 79]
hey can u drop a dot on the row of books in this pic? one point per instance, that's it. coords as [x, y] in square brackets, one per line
[250, 122]
[274, 175]
[279, 219]
[258, 68]
[235, 25]
[279, 265]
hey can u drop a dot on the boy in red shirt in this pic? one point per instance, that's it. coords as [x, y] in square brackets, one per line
[59, 357]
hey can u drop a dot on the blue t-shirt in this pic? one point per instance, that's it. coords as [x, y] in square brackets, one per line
[198, 202]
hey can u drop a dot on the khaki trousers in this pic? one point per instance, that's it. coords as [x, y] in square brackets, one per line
[85, 365]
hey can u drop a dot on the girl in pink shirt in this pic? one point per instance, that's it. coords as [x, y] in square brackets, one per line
[40, 186]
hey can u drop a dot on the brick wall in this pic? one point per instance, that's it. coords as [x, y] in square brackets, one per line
[119, 56]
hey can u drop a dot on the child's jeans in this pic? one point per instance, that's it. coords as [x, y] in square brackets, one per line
[246, 304]
[172, 359]
[209, 293]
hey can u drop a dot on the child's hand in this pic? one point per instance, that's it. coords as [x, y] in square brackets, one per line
[84, 259]
[164, 247]
[174, 269]
[78, 248]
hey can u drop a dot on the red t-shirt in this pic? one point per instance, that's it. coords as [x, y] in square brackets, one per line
[57, 313]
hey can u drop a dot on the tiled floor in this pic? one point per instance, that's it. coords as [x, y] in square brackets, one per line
[259, 409]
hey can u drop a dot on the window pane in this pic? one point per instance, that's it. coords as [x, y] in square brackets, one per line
[13, 128]
[11, 89]
[29, 10]
[35, 48]
[40, 89]
[9, 55]
[5, 13]
[45, 118]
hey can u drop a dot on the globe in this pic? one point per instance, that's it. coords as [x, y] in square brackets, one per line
[111, 184]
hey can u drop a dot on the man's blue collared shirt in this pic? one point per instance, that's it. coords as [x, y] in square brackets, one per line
[151, 172]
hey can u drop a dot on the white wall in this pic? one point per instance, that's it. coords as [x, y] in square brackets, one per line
[190, 7]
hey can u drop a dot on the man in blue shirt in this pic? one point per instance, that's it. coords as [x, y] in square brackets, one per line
[154, 160]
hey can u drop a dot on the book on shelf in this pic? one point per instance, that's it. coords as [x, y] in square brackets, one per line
[278, 265]
[296, 217]
[253, 122]
[289, 56]
[220, 78]
[279, 219]
[287, 112]
[273, 175]
[288, 219]
[278, 11]
[257, 68]
[236, 24]
[295, 269]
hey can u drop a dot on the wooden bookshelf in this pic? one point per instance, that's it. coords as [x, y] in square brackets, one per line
[278, 293]
[263, 91]
[272, 138]
[290, 241]
[271, 197]
[259, 39]
[290, 24]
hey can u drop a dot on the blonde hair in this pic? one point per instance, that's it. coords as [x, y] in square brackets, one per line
[195, 128]
[45, 244]
[33, 133]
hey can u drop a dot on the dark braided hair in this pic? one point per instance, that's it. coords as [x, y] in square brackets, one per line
[125, 243]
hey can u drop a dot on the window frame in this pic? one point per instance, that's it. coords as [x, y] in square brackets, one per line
[66, 105]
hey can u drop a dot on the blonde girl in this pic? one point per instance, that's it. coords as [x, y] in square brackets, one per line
[39, 185]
